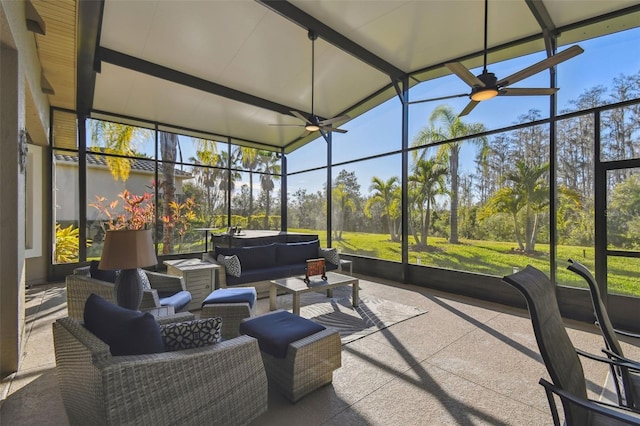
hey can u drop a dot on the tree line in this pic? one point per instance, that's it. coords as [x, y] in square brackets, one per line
[506, 197]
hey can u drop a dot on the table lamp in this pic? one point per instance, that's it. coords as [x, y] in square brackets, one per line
[128, 250]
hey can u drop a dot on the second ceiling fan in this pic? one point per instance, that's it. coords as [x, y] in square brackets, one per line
[486, 85]
[312, 123]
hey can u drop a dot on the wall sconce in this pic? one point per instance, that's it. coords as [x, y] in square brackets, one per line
[45, 86]
[35, 23]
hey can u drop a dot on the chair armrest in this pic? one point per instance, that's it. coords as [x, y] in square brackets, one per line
[621, 414]
[635, 364]
[82, 270]
[179, 317]
[66, 329]
[619, 362]
[221, 277]
[165, 283]
[79, 287]
[627, 333]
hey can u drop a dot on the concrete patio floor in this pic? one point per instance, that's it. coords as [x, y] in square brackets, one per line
[465, 362]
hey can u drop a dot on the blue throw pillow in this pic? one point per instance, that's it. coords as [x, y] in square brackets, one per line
[127, 332]
[101, 274]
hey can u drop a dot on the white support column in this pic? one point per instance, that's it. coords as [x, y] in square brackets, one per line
[12, 211]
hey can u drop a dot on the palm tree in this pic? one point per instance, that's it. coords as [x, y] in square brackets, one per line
[207, 176]
[343, 201]
[269, 166]
[228, 178]
[168, 152]
[528, 190]
[117, 139]
[385, 194]
[505, 200]
[452, 128]
[426, 181]
[535, 191]
[249, 158]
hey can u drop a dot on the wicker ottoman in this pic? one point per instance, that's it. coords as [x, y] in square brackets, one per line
[232, 305]
[308, 363]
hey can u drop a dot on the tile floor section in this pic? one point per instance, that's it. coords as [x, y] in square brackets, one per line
[465, 362]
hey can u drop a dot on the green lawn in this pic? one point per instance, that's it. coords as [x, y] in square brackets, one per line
[490, 257]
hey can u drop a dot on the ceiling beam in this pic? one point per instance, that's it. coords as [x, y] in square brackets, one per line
[178, 77]
[308, 22]
[541, 14]
[89, 23]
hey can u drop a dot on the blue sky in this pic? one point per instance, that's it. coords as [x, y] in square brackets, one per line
[379, 130]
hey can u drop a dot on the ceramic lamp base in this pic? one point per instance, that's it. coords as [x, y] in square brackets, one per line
[128, 287]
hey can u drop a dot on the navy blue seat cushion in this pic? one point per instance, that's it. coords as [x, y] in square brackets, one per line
[178, 300]
[272, 273]
[232, 295]
[295, 253]
[264, 274]
[277, 330]
[255, 257]
[127, 332]
[101, 274]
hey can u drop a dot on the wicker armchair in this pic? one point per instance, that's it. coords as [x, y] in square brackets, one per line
[80, 285]
[224, 383]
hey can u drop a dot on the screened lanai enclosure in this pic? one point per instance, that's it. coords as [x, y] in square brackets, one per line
[188, 116]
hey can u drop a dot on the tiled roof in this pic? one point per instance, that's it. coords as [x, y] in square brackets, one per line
[100, 160]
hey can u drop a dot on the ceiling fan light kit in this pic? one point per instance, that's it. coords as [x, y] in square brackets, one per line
[313, 122]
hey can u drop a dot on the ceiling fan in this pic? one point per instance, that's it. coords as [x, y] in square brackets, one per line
[486, 85]
[312, 123]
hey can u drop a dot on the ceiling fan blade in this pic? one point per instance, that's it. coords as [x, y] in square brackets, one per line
[287, 125]
[333, 129]
[470, 106]
[461, 71]
[461, 95]
[542, 65]
[517, 91]
[300, 116]
[334, 120]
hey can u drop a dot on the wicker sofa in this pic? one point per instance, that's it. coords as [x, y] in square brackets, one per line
[80, 285]
[261, 264]
[224, 383]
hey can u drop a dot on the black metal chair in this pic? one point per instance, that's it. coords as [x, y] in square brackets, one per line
[627, 382]
[561, 358]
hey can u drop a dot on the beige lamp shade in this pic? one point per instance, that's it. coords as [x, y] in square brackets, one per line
[128, 249]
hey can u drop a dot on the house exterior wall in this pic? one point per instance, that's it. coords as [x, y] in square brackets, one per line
[19, 85]
[99, 183]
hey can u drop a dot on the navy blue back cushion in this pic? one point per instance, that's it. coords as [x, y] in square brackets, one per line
[101, 274]
[277, 330]
[251, 257]
[292, 253]
[127, 332]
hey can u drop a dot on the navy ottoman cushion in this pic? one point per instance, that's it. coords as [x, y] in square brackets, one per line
[232, 295]
[277, 330]
[178, 300]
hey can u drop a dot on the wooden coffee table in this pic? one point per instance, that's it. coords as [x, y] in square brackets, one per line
[296, 286]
